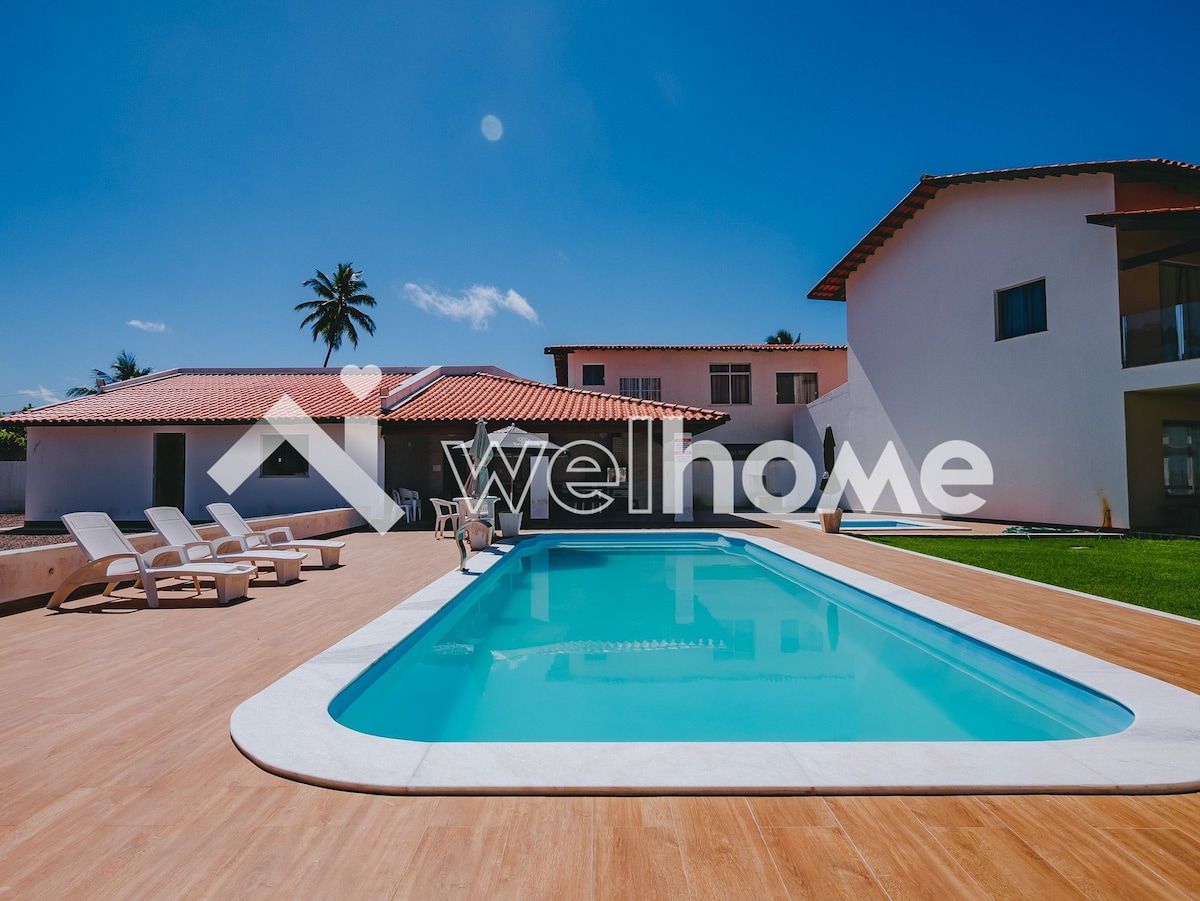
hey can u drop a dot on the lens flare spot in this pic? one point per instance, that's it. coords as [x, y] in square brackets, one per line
[492, 128]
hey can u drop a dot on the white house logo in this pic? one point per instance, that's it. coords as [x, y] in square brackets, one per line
[352, 471]
[588, 473]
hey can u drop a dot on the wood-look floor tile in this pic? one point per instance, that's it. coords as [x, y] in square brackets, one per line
[638, 862]
[903, 855]
[724, 854]
[820, 863]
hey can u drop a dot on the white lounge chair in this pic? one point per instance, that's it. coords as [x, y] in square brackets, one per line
[445, 514]
[278, 538]
[173, 526]
[113, 560]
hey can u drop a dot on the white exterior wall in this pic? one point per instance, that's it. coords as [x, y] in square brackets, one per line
[685, 380]
[924, 365]
[111, 469]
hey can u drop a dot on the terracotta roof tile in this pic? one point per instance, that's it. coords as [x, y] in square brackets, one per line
[213, 397]
[486, 396]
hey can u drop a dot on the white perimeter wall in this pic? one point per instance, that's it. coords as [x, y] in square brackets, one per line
[924, 365]
[111, 469]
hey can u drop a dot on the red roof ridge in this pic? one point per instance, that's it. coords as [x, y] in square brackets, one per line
[566, 390]
[559, 348]
[512, 397]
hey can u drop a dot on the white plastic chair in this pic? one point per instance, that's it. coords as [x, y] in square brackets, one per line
[409, 502]
[279, 537]
[412, 501]
[445, 514]
[113, 560]
[173, 526]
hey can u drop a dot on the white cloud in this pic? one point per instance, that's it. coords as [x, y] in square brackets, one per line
[42, 393]
[478, 304]
[148, 326]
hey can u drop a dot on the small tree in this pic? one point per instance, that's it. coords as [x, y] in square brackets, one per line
[12, 439]
[783, 336]
[124, 367]
[335, 315]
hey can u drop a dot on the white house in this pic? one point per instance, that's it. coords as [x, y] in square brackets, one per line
[155, 440]
[1050, 316]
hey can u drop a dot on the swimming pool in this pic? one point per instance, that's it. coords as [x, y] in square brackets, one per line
[656, 637]
[1040, 717]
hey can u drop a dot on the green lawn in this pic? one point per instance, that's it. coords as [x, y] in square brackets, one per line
[1159, 573]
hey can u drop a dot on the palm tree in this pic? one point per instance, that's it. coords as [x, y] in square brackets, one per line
[336, 313]
[124, 367]
[783, 336]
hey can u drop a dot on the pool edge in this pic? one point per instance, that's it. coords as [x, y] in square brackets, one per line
[286, 729]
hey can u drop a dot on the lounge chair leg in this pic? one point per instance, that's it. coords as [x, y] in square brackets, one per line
[196, 582]
[230, 587]
[330, 557]
[110, 588]
[65, 589]
[287, 571]
[152, 593]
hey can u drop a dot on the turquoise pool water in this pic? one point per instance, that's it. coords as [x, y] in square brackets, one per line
[698, 638]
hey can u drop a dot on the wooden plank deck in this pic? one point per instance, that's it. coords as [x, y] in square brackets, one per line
[118, 778]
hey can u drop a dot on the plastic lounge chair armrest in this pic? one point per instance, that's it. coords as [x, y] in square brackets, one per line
[149, 560]
[222, 545]
[187, 548]
[272, 534]
[256, 539]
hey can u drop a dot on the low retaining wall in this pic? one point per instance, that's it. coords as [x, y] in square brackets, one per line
[29, 573]
[12, 486]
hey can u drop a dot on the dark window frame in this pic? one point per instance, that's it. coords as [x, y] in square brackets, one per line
[589, 369]
[728, 383]
[1190, 452]
[286, 460]
[1021, 310]
[782, 396]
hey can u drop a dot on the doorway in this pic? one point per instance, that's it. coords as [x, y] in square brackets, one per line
[168, 469]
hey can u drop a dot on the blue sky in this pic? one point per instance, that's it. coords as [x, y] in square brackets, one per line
[666, 172]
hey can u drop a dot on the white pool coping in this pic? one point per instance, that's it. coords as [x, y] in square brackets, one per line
[286, 729]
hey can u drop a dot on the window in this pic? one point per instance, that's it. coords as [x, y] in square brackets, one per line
[593, 373]
[1021, 310]
[643, 389]
[286, 457]
[730, 383]
[1181, 450]
[795, 387]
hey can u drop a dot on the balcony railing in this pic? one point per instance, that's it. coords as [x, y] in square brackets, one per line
[1161, 336]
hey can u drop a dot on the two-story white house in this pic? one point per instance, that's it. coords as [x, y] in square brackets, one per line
[760, 386]
[1050, 316]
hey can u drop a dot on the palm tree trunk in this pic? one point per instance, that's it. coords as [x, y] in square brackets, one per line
[327, 356]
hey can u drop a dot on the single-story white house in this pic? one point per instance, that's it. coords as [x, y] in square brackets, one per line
[154, 440]
[1047, 315]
